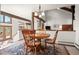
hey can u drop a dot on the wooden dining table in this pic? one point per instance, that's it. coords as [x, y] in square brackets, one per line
[39, 36]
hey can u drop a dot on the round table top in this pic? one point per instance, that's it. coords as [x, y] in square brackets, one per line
[39, 36]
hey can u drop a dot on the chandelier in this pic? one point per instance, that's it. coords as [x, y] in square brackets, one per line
[39, 13]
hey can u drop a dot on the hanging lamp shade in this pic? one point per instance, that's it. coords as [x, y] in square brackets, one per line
[43, 14]
[40, 16]
[39, 13]
[35, 13]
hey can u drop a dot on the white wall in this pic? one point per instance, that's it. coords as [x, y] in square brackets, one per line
[25, 10]
[76, 25]
[66, 37]
[18, 9]
[58, 17]
[15, 29]
[16, 32]
[36, 23]
[63, 37]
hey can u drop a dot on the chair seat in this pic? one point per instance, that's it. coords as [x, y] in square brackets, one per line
[31, 44]
[50, 41]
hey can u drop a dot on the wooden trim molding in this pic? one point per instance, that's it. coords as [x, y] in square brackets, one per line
[67, 9]
[28, 23]
[4, 33]
[63, 42]
[73, 14]
[33, 20]
[76, 44]
[11, 15]
[39, 18]
[58, 30]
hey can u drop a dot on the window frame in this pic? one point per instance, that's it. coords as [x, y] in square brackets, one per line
[4, 33]
[4, 19]
[6, 24]
[10, 32]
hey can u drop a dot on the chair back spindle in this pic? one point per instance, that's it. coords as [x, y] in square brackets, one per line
[55, 37]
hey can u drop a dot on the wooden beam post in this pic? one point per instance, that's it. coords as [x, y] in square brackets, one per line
[33, 20]
[73, 14]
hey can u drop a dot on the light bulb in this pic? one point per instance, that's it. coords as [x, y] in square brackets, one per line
[35, 14]
[43, 14]
[40, 16]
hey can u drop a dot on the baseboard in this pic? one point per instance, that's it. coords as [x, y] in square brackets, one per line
[76, 45]
[66, 43]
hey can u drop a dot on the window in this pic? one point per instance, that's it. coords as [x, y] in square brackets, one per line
[5, 30]
[1, 33]
[7, 19]
[8, 32]
[5, 33]
[1, 18]
[28, 26]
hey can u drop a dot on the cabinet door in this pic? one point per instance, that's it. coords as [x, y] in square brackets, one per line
[8, 32]
[67, 27]
[1, 33]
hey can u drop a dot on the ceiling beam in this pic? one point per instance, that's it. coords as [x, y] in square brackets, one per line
[67, 9]
[39, 18]
[73, 12]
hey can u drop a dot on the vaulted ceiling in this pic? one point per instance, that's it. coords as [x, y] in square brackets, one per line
[25, 10]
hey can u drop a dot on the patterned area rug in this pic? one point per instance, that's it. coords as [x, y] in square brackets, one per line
[18, 49]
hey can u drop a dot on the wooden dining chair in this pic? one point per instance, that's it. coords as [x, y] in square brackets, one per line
[52, 41]
[30, 43]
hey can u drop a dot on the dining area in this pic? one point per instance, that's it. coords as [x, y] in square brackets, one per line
[47, 35]
[37, 43]
[39, 29]
[38, 32]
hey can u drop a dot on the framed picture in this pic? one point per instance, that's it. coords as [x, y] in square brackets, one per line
[56, 26]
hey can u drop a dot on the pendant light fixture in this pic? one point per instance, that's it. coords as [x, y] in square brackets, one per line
[40, 13]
